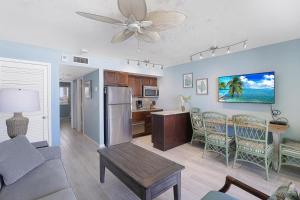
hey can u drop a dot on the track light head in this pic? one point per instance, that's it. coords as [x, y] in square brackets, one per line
[138, 63]
[228, 50]
[128, 61]
[213, 53]
[245, 45]
[201, 56]
[191, 58]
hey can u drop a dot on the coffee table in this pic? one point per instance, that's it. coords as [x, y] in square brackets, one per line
[145, 173]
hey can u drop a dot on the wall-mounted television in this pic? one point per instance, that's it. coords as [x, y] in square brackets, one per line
[248, 88]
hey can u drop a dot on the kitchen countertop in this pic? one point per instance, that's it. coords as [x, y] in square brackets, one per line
[146, 110]
[169, 112]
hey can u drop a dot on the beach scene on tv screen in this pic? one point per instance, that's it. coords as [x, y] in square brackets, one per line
[248, 88]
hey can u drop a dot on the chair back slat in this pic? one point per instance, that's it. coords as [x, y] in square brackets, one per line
[250, 128]
[196, 120]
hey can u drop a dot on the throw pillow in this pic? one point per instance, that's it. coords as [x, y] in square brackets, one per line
[286, 192]
[17, 158]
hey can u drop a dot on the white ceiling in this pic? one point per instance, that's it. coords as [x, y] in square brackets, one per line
[70, 73]
[54, 24]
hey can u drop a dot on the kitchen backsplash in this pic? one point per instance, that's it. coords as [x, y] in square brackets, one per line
[146, 102]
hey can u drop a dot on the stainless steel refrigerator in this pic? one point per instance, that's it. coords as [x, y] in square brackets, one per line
[117, 115]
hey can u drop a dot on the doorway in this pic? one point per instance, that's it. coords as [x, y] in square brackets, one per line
[79, 96]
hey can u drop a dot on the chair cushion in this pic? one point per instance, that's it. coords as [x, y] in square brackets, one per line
[253, 146]
[285, 192]
[46, 179]
[66, 194]
[214, 195]
[17, 158]
[218, 138]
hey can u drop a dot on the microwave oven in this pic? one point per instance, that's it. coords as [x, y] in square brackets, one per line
[150, 91]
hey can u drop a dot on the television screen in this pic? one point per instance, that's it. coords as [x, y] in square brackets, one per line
[248, 88]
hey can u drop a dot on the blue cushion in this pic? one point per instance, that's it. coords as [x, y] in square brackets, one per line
[213, 195]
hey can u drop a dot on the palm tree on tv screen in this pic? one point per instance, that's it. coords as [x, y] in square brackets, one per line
[235, 86]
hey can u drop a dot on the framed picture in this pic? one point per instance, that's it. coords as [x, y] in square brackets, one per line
[202, 86]
[88, 89]
[188, 80]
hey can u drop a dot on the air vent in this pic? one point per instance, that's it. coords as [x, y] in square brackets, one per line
[80, 60]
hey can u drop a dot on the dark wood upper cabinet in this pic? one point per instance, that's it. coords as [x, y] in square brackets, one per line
[113, 78]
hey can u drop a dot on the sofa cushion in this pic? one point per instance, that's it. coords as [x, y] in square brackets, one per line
[17, 158]
[50, 153]
[66, 194]
[46, 179]
[1, 182]
[214, 195]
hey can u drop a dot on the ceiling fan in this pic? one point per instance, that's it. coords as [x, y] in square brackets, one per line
[139, 23]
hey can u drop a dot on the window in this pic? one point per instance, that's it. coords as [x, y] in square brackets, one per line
[64, 95]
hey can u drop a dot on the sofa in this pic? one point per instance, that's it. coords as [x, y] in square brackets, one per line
[47, 181]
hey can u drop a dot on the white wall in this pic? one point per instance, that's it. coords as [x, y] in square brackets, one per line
[283, 58]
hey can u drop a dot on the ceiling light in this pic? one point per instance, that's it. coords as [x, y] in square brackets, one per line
[200, 56]
[245, 44]
[213, 53]
[228, 50]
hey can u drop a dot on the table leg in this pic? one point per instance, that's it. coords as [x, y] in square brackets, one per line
[102, 170]
[177, 188]
[147, 195]
[276, 143]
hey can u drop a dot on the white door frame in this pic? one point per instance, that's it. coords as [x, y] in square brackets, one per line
[48, 66]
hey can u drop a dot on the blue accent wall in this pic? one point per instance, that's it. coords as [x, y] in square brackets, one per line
[91, 109]
[283, 58]
[27, 52]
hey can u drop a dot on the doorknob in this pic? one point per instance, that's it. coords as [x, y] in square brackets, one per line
[44, 117]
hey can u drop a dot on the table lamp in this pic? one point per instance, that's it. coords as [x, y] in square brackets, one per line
[17, 101]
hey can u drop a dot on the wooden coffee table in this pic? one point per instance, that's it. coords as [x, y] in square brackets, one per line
[147, 174]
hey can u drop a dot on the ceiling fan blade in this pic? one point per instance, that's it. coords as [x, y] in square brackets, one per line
[137, 8]
[163, 20]
[148, 36]
[100, 18]
[122, 36]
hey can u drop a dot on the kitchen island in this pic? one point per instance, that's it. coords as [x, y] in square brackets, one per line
[170, 129]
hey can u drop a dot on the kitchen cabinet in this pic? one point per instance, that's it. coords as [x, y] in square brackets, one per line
[170, 130]
[142, 118]
[113, 78]
[137, 83]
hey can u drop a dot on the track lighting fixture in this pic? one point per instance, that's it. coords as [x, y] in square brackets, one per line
[146, 63]
[214, 49]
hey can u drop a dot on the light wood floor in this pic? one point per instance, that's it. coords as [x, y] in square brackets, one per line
[200, 175]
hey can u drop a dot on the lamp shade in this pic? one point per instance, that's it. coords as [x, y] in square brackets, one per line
[19, 100]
